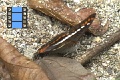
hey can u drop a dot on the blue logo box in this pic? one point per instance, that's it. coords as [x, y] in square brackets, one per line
[16, 17]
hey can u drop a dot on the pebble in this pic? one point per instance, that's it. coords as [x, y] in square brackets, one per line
[97, 39]
[104, 64]
[109, 70]
[1, 23]
[43, 41]
[77, 1]
[0, 9]
[35, 44]
[22, 45]
[4, 8]
[18, 1]
[36, 23]
[99, 74]
[76, 10]
[10, 36]
[118, 76]
[52, 33]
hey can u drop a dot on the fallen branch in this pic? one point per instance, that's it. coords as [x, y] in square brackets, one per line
[99, 48]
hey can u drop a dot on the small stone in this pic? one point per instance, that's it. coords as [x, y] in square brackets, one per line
[22, 45]
[49, 25]
[118, 77]
[107, 62]
[76, 10]
[77, 1]
[97, 39]
[52, 33]
[10, 36]
[4, 8]
[112, 78]
[109, 70]
[0, 9]
[18, 1]
[1, 23]
[43, 41]
[36, 23]
[35, 44]
[99, 73]
[104, 64]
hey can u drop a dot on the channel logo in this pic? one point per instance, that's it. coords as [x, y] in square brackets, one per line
[16, 17]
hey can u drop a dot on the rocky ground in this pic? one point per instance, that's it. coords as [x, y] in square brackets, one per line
[42, 28]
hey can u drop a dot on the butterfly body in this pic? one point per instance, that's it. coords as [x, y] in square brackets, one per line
[66, 41]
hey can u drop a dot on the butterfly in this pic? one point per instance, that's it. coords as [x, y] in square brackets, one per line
[65, 41]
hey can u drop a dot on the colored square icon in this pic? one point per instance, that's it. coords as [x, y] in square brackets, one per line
[16, 24]
[17, 9]
[16, 17]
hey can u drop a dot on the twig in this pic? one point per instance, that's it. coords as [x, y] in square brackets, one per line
[99, 48]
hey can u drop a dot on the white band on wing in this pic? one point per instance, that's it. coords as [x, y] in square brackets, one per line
[68, 36]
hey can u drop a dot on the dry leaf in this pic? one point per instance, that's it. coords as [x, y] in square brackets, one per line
[18, 66]
[61, 68]
[4, 75]
[57, 9]
[99, 30]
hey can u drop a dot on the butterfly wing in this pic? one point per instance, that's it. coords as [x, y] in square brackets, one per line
[64, 41]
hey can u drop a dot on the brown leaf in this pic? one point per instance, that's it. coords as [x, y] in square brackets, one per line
[95, 28]
[57, 9]
[99, 30]
[61, 68]
[85, 12]
[4, 75]
[18, 66]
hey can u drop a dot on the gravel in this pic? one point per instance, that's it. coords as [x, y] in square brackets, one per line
[42, 29]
